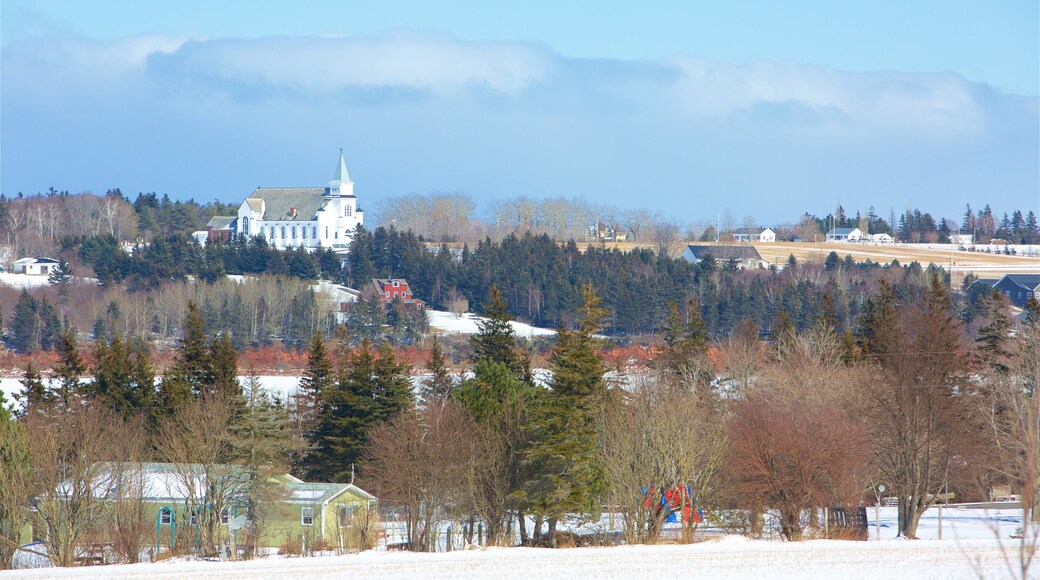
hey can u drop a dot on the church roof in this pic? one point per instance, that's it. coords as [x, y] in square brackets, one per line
[280, 200]
[341, 170]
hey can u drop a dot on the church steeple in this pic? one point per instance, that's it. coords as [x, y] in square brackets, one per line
[341, 185]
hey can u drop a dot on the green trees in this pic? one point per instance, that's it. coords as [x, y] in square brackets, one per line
[33, 325]
[202, 368]
[370, 389]
[564, 476]
[124, 380]
[438, 387]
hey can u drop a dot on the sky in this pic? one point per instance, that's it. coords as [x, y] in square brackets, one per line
[691, 109]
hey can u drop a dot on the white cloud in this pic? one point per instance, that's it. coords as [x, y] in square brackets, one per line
[317, 66]
[888, 100]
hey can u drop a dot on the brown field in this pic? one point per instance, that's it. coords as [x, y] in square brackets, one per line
[960, 262]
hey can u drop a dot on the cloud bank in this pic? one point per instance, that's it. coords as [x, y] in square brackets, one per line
[781, 117]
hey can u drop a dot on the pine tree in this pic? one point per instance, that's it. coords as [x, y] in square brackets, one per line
[35, 397]
[24, 329]
[70, 368]
[394, 391]
[314, 403]
[564, 476]
[438, 387]
[194, 359]
[368, 392]
[495, 339]
[992, 340]
[223, 360]
[123, 379]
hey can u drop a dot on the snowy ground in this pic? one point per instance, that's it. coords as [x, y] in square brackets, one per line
[729, 557]
[970, 549]
[22, 280]
[467, 324]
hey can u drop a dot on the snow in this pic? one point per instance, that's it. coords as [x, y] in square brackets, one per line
[728, 557]
[975, 545]
[22, 280]
[448, 322]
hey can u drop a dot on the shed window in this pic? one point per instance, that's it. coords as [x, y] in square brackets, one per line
[225, 515]
[165, 517]
[306, 516]
[346, 516]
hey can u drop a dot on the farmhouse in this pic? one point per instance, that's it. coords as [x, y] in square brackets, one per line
[304, 217]
[742, 256]
[35, 266]
[392, 289]
[1019, 288]
[754, 235]
[845, 235]
[881, 238]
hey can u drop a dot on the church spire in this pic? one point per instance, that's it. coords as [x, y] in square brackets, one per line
[341, 170]
[341, 185]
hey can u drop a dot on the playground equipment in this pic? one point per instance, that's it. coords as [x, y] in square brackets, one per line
[678, 501]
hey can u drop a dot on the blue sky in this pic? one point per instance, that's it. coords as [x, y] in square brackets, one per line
[762, 108]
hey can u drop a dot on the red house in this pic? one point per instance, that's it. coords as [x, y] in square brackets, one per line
[392, 289]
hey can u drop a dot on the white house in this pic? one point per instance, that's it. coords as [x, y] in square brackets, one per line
[962, 239]
[308, 217]
[35, 266]
[845, 235]
[881, 238]
[754, 235]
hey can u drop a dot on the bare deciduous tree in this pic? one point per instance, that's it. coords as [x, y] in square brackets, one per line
[661, 438]
[74, 475]
[794, 455]
[419, 462]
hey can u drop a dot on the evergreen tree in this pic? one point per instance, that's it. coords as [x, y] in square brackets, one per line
[223, 360]
[438, 387]
[70, 368]
[368, 392]
[314, 404]
[35, 397]
[992, 340]
[194, 362]
[495, 339]
[564, 475]
[24, 329]
[394, 391]
[1032, 310]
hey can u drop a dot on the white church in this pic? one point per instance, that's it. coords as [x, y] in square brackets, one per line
[308, 217]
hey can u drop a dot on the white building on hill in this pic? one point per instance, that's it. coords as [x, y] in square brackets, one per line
[308, 217]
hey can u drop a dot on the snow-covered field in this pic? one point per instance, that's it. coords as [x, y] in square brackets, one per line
[467, 324]
[970, 549]
[729, 557]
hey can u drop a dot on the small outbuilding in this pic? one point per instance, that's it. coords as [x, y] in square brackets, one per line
[35, 266]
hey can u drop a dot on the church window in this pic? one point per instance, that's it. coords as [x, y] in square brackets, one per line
[347, 210]
[293, 230]
[314, 231]
[303, 232]
[283, 232]
[245, 226]
[326, 232]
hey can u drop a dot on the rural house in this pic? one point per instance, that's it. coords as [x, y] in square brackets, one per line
[390, 289]
[742, 256]
[754, 235]
[1018, 288]
[845, 235]
[35, 266]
